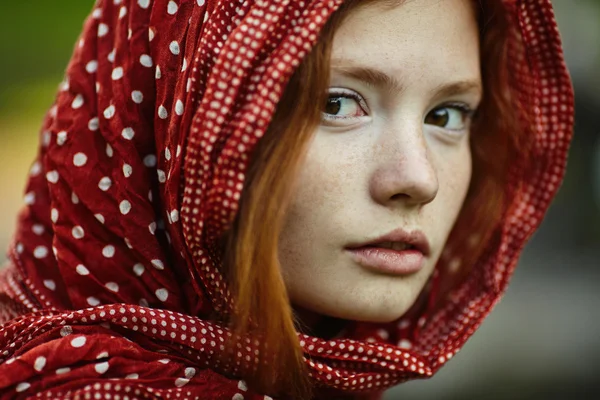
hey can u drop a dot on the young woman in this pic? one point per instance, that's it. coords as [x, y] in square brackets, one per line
[286, 199]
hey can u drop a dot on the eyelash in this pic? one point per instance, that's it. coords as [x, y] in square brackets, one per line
[346, 94]
[466, 111]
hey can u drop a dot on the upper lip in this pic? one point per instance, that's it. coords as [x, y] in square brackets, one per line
[416, 239]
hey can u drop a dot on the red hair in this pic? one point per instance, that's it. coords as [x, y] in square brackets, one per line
[251, 263]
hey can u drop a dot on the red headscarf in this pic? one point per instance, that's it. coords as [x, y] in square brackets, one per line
[140, 169]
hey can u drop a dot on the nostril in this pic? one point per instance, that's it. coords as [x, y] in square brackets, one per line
[399, 196]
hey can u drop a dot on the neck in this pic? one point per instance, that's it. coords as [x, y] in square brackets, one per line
[318, 325]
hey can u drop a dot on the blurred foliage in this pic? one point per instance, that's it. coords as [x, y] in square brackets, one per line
[36, 41]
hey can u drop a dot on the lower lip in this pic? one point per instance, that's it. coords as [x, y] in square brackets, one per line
[389, 261]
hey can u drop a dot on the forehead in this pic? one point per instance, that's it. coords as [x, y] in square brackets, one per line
[419, 36]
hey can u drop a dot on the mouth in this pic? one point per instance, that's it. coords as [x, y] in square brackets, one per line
[397, 253]
[398, 240]
[397, 246]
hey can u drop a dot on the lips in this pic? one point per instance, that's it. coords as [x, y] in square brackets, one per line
[398, 240]
[397, 253]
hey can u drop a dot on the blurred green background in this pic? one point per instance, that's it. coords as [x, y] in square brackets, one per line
[541, 342]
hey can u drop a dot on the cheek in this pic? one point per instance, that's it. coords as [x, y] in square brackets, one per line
[455, 178]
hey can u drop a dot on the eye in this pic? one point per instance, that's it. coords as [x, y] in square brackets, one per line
[453, 117]
[344, 104]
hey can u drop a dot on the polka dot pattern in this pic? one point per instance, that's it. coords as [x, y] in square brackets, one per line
[113, 224]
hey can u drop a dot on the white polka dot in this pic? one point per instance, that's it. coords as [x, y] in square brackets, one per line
[29, 198]
[138, 269]
[152, 227]
[77, 232]
[146, 60]
[112, 55]
[35, 169]
[174, 215]
[172, 7]
[127, 170]
[162, 112]
[79, 159]
[94, 124]
[122, 12]
[162, 178]
[65, 85]
[179, 107]
[112, 286]
[66, 330]
[54, 215]
[158, 264]
[132, 376]
[117, 73]
[109, 150]
[101, 367]
[200, 2]
[189, 372]
[167, 154]
[40, 252]
[105, 183]
[137, 97]
[144, 3]
[23, 386]
[74, 198]
[180, 382]
[125, 207]
[39, 363]
[178, 151]
[162, 294]
[62, 371]
[102, 30]
[92, 66]
[108, 251]
[150, 161]
[237, 396]
[79, 341]
[46, 137]
[97, 13]
[174, 48]
[52, 176]
[158, 73]
[82, 270]
[109, 112]
[50, 284]
[99, 217]
[92, 301]
[38, 229]
[61, 138]
[77, 102]
[128, 133]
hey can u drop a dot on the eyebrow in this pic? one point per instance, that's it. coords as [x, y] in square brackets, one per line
[376, 78]
[372, 77]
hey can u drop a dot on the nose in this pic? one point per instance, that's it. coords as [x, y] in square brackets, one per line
[405, 172]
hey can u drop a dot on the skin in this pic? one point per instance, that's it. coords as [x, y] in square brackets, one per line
[383, 162]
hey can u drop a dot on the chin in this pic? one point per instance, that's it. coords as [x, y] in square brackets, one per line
[369, 308]
[373, 313]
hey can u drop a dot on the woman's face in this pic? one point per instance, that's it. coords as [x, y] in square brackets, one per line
[391, 153]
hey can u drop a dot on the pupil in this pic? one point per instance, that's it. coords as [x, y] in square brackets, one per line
[333, 106]
[439, 117]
